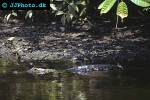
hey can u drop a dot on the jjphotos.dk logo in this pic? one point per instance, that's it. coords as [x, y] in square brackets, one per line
[22, 5]
[4, 5]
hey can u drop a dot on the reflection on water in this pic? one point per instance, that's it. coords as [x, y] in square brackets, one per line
[69, 86]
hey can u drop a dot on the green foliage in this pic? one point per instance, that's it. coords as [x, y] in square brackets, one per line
[53, 7]
[106, 6]
[122, 10]
[29, 14]
[142, 3]
[75, 9]
[68, 9]
[9, 14]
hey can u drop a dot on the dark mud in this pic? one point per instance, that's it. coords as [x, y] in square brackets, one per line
[20, 42]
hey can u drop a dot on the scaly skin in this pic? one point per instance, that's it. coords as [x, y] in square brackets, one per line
[83, 70]
[35, 71]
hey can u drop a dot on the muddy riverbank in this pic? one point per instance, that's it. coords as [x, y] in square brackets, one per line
[20, 42]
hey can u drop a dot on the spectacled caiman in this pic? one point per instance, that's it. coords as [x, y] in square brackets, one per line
[82, 70]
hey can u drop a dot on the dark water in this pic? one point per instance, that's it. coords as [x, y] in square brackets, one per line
[131, 84]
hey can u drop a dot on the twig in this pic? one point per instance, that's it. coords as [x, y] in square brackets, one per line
[117, 19]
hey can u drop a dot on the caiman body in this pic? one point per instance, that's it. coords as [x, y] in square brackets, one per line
[83, 70]
[86, 69]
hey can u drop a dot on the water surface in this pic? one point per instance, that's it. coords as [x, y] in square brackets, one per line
[129, 85]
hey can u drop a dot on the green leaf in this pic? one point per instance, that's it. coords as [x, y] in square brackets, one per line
[107, 5]
[71, 10]
[63, 19]
[29, 14]
[101, 5]
[148, 1]
[53, 6]
[7, 17]
[142, 3]
[81, 2]
[14, 14]
[74, 6]
[59, 13]
[83, 11]
[71, 16]
[122, 10]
